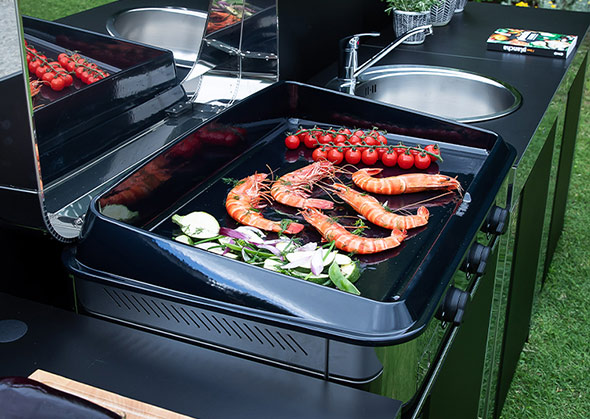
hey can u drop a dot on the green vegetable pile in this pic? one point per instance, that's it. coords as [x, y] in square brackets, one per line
[311, 262]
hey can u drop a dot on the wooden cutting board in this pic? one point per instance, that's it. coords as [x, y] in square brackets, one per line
[128, 408]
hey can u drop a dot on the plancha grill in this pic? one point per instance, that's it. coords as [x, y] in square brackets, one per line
[129, 269]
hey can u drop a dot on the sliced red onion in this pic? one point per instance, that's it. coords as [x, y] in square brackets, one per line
[230, 232]
[308, 247]
[270, 248]
[317, 262]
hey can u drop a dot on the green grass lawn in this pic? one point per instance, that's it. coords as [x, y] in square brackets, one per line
[553, 375]
[52, 10]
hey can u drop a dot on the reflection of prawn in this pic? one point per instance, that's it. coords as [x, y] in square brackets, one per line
[293, 188]
[406, 183]
[243, 205]
[348, 242]
[372, 210]
[35, 86]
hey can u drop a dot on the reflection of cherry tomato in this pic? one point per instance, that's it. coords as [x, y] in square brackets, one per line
[68, 80]
[422, 161]
[291, 156]
[292, 142]
[48, 77]
[389, 158]
[352, 156]
[319, 154]
[57, 83]
[335, 156]
[405, 160]
[369, 156]
[433, 148]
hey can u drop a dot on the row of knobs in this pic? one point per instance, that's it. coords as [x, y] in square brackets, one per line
[453, 307]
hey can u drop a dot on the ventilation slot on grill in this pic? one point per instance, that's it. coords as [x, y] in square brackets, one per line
[212, 327]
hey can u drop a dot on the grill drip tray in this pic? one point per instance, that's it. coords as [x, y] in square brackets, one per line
[357, 364]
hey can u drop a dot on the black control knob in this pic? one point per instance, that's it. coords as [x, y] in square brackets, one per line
[496, 221]
[453, 306]
[476, 260]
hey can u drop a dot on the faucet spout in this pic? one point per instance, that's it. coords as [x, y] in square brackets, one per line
[427, 29]
[349, 70]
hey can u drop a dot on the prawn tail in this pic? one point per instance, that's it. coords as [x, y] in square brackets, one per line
[423, 212]
[371, 171]
[318, 203]
[399, 235]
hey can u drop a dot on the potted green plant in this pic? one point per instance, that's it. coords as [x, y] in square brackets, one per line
[409, 14]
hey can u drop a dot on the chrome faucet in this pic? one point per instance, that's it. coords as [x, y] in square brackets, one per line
[348, 68]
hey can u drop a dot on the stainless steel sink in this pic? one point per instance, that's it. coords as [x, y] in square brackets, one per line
[177, 29]
[440, 91]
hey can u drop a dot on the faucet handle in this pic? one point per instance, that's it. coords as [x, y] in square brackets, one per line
[352, 41]
[347, 53]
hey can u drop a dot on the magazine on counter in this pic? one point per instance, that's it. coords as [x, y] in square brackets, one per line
[522, 41]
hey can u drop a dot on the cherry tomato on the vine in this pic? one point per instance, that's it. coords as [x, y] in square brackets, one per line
[400, 150]
[340, 139]
[319, 154]
[344, 131]
[310, 141]
[292, 142]
[326, 139]
[335, 156]
[371, 141]
[369, 156]
[354, 140]
[352, 155]
[382, 139]
[389, 158]
[405, 160]
[422, 161]
[359, 133]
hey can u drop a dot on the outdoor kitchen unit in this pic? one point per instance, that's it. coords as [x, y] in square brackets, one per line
[110, 163]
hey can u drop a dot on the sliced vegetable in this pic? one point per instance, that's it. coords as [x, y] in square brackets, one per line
[198, 225]
[320, 264]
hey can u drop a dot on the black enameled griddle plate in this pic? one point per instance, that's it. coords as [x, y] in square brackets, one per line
[384, 274]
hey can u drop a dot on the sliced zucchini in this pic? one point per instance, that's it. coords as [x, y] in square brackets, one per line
[198, 224]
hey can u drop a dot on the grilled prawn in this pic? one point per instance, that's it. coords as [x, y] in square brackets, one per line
[406, 183]
[293, 188]
[243, 204]
[348, 242]
[372, 210]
